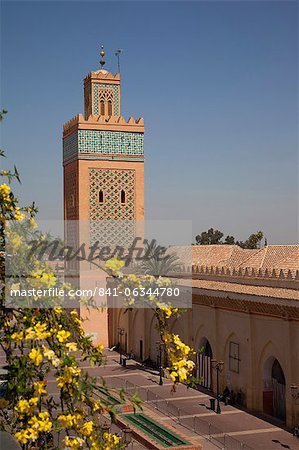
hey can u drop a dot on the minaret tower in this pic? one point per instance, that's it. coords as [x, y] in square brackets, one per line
[103, 163]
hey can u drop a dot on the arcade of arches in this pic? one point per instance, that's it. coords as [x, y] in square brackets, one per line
[257, 369]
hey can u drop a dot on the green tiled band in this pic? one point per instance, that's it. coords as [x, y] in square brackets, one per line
[99, 142]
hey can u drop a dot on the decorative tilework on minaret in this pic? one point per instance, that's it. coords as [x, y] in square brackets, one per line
[103, 162]
[101, 141]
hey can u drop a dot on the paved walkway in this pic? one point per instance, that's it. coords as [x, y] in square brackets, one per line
[192, 408]
[187, 409]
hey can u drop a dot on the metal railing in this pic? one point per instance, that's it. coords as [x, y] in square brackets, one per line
[193, 423]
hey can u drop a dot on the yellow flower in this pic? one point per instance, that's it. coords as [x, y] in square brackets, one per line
[39, 331]
[4, 189]
[26, 406]
[100, 347]
[23, 406]
[73, 443]
[97, 406]
[39, 278]
[4, 192]
[18, 337]
[39, 388]
[114, 265]
[23, 436]
[71, 346]
[63, 336]
[19, 216]
[87, 428]
[57, 310]
[111, 440]
[48, 279]
[36, 356]
[173, 376]
[29, 333]
[51, 356]
[69, 420]
[69, 376]
[166, 309]
[40, 423]
[116, 439]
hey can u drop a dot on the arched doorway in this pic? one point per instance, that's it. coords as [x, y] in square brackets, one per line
[204, 357]
[274, 402]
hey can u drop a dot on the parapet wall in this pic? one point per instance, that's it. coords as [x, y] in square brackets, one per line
[282, 278]
[103, 122]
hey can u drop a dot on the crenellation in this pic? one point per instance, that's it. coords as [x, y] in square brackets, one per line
[247, 272]
[79, 119]
[101, 75]
[289, 275]
[101, 122]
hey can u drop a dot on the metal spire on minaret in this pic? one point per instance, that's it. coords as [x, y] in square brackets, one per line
[102, 53]
[117, 54]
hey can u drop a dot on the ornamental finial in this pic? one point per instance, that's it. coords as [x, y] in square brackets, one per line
[102, 53]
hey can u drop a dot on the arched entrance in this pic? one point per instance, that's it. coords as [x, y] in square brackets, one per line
[204, 357]
[274, 402]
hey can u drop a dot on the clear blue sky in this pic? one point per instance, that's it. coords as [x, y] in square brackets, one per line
[215, 81]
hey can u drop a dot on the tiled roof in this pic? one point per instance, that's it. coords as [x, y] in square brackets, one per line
[232, 256]
[260, 291]
[275, 257]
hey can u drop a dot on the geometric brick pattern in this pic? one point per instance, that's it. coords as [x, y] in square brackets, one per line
[111, 182]
[71, 205]
[111, 222]
[97, 87]
[71, 202]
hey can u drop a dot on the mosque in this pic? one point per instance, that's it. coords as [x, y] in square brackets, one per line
[244, 313]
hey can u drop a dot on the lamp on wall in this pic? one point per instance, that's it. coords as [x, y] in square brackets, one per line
[160, 347]
[295, 397]
[121, 332]
[295, 391]
[218, 366]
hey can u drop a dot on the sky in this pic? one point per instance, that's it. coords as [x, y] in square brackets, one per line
[216, 83]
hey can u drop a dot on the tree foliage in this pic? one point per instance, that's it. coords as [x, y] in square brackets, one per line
[209, 237]
[212, 236]
[253, 242]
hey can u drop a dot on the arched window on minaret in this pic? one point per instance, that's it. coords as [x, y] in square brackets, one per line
[102, 107]
[109, 108]
[72, 201]
[101, 196]
[122, 197]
